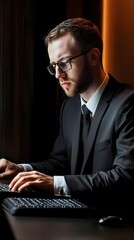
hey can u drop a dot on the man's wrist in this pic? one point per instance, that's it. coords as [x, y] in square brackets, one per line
[21, 168]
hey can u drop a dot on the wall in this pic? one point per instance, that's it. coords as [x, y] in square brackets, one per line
[118, 36]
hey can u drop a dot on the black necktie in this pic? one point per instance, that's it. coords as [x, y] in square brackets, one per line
[86, 126]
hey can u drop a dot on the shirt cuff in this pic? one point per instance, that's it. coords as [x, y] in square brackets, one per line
[27, 167]
[60, 187]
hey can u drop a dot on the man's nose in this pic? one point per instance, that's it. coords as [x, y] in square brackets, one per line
[59, 72]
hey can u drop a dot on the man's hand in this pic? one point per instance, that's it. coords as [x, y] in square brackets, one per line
[33, 179]
[9, 169]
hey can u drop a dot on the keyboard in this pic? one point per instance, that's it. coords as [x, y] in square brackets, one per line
[29, 192]
[5, 191]
[48, 206]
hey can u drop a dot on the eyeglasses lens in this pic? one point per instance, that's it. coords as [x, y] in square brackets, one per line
[51, 69]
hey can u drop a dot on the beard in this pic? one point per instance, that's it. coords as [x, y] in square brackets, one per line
[76, 88]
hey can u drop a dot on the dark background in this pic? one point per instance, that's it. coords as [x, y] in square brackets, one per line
[30, 98]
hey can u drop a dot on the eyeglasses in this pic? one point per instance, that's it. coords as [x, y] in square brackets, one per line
[64, 64]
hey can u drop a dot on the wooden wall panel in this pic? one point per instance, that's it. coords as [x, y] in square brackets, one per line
[118, 36]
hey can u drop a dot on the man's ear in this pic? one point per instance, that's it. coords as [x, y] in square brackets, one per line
[95, 56]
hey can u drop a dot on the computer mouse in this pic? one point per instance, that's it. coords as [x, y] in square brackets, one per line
[113, 221]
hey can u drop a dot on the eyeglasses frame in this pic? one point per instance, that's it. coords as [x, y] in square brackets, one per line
[68, 59]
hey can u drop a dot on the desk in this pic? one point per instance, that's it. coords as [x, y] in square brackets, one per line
[54, 228]
[41, 228]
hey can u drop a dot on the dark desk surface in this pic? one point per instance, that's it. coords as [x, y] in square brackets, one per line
[40, 228]
[54, 228]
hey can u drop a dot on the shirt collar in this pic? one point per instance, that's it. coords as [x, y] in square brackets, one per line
[94, 100]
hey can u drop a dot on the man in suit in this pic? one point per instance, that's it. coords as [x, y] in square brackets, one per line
[106, 173]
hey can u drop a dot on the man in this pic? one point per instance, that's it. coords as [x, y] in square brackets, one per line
[106, 173]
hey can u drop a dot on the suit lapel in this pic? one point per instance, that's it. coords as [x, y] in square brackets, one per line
[98, 117]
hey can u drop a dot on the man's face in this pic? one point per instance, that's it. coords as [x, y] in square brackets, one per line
[79, 76]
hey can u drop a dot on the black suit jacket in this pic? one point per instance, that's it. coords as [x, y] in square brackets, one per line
[107, 173]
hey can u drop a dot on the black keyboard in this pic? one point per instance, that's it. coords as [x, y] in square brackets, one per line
[4, 187]
[29, 192]
[49, 206]
[5, 191]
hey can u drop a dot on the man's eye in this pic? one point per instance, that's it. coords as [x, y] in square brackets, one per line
[52, 66]
[62, 64]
